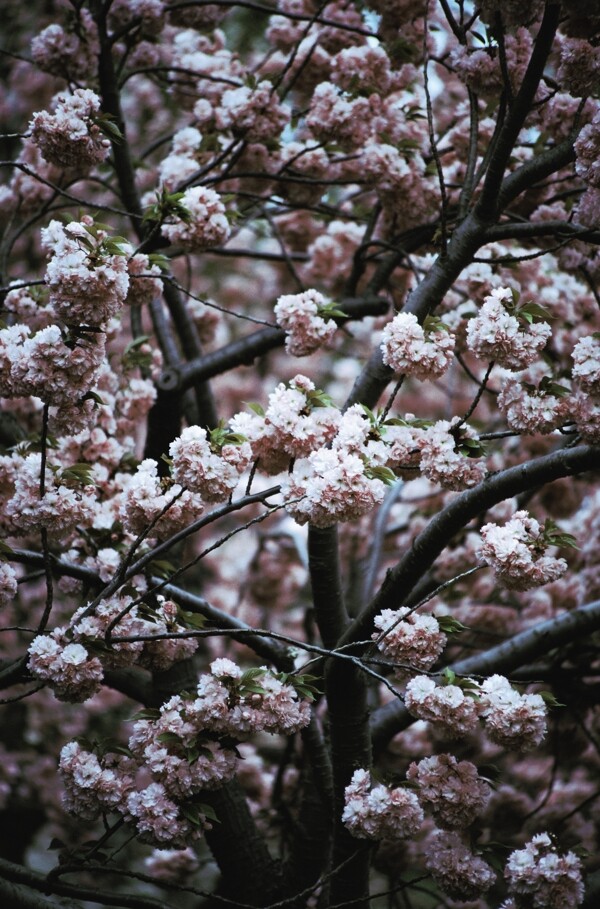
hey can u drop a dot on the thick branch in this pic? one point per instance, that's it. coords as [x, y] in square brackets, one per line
[487, 207]
[323, 560]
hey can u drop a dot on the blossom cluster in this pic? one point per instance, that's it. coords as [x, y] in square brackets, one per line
[298, 420]
[496, 333]
[202, 221]
[410, 349]
[208, 466]
[451, 790]
[88, 285]
[72, 660]
[459, 872]
[378, 812]
[71, 136]
[517, 553]
[540, 876]
[514, 721]
[300, 317]
[407, 637]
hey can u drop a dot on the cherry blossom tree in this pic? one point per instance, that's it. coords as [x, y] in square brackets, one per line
[300, 427]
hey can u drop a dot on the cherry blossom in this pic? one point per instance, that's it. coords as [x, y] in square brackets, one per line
[540, 874]
[411, 350]
[300, 316]
[516, 552]
[496, 333]
[376, 812]
[203, 222]
[71, 136]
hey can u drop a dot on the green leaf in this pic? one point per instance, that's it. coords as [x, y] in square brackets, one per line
[385, 474]
[148, 713]
[448, 676]
[209, 813]
[450, 625]
[549, 699]
[191, 619]
[255, 408]
[169, 738]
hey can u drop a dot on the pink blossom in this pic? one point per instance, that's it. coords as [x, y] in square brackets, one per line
[331, 486]
[586, 357]
[406, 637]
[72, 673]
[442, 460]
[451, 790]
[297, 421]
[448, 708]
[497, 334]
[411, 350]
[532, 408]
[8, 583]
[332, 116]
[516, 552]
[511, 719]
[87, 285]
[59, 509]
[540, 874]
[70, 137]
[253, 113]
[145, 497]
[376, 812]
[306, 330]
[460, 873]
[201, 467]
[158, 820]
[206, 224]
[70, 54]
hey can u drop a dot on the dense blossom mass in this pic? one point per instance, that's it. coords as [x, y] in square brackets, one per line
[299, 451]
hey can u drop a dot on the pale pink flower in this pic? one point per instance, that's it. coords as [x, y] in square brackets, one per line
[202, 468]
[144, 283]
[205, 226]
[586, 414]
[511, 719]
[145, 496]
[59, 510]
[334, 117]
[586, 357]
[72, 673]
[158, 820]
[331, 486]
[495, 333]
[406, 637]
[68, 54]
[516, 552]
[70, 137]
[377, 812]
[545, 878]
[174, 865]
[87, 285]
[453, 791]
[587, 146]
[442, 460]
[532, 408]
[451, 711]
[299, 316]
[8, 583]
[460, 873]
[411, 350]
[256, 114]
